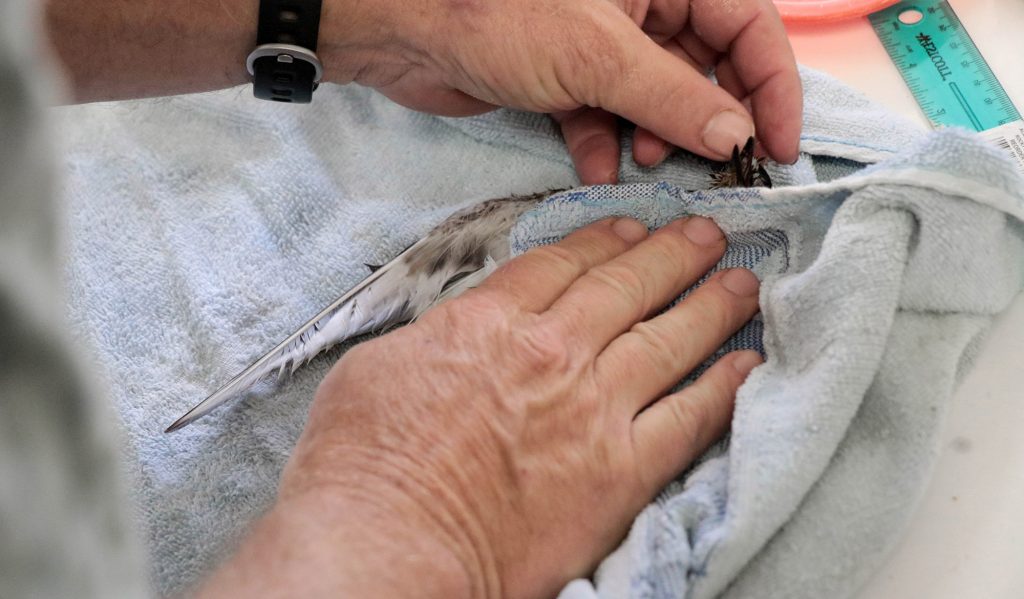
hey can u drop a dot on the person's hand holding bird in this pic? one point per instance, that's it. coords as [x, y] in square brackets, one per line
[586, 61]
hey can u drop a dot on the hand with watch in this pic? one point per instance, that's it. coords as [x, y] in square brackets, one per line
[583, 61]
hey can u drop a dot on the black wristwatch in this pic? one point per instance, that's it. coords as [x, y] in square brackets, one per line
[284, 66]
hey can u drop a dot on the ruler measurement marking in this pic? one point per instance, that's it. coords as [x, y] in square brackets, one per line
[958, 87]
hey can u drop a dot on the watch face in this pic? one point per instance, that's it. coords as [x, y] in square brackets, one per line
[283, 78]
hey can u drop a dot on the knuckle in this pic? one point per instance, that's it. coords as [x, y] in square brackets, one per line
[465, 315]
[507, 275]
[711, 308]
[673, 248]
[622, 279]
[544, 348]
[717, 312]
[472, 309]
[678, 256]
[600, 49]
[668, 353]
[559, 256]
[597, 55]
[691, 418]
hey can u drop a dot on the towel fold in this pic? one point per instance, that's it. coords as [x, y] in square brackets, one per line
[876, 287]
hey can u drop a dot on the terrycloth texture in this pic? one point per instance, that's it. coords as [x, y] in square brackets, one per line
[866, 332]
[205, 229]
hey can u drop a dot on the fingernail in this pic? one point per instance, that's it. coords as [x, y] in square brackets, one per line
[726, 130]
[702, 231]
[630, 229]
[741, 281]
[747, 361]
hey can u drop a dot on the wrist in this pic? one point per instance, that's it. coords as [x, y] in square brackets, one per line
[334, 540]
[374, 548]
[352, 38]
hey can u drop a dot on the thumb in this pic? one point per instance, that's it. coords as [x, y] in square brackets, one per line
[663, 94]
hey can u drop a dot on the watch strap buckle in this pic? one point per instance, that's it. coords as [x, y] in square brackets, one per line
[286, 53]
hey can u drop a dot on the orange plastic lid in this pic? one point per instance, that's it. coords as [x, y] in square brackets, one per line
[818, 11]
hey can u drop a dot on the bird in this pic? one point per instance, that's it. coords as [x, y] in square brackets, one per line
[456, 255]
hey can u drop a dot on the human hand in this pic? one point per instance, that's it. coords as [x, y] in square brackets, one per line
[505, 441]
[583, 61]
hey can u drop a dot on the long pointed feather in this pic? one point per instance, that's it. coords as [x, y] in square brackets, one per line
[279, 357]
[454, 256]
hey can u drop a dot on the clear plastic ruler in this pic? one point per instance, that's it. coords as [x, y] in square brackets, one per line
[946, 73]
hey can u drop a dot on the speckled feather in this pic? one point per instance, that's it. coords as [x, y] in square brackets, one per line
[456, 255]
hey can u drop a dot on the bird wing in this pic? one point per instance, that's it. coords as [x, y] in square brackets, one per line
[342, 319]
[453, 257]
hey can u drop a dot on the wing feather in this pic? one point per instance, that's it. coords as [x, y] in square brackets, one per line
[455, 256]
[338, 321]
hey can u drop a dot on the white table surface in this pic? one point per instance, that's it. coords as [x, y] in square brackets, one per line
[966, 539]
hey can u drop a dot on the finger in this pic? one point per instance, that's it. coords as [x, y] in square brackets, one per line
[536, 279]
[649, 149]
[698, 56]
[697, 49]
[656, 354]
[592, 136]
[730, 81]
[662, 93]
[664, 18]
[752, 34]
[671, 433]
[613, 296]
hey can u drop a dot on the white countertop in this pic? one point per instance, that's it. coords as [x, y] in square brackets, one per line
[966, 539]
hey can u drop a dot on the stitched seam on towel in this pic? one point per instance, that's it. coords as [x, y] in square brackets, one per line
[939, 181]
[928, 312]
[981, 193]
[843, 142]
[901, 177]
[954, 186]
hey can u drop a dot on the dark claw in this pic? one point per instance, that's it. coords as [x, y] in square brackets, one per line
[742, 170]
[762, 175]
[748, 148]
[737, 165]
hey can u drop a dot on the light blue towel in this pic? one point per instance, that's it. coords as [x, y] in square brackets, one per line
[205, 229]
[875, 287]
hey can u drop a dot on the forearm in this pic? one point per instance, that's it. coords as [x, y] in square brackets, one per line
[115, 49]
[124, 48]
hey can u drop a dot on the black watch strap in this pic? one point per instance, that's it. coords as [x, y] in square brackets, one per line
[284, 65]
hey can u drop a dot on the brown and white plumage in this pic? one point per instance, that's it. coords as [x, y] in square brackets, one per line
[454, 256]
